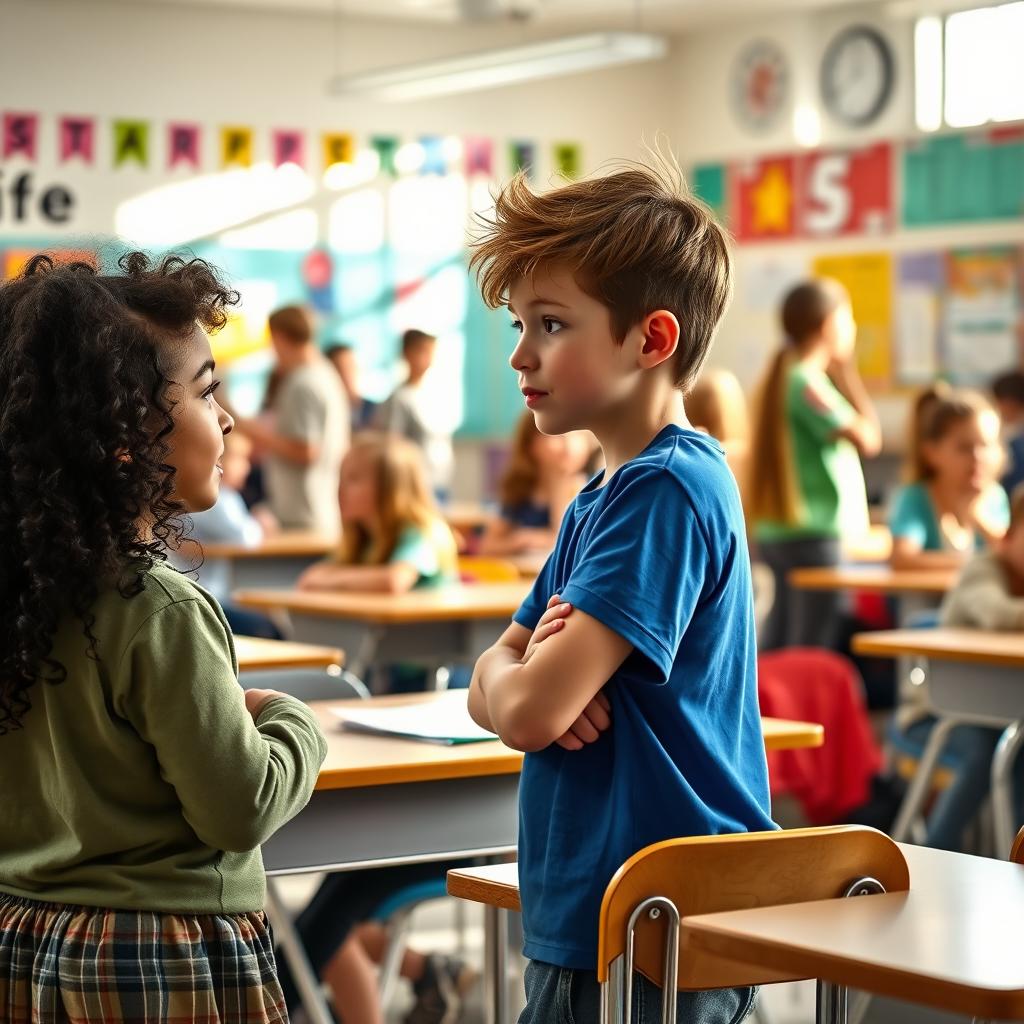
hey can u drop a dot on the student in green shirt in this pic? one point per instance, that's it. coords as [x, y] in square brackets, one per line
[806, 489]
[140, 780]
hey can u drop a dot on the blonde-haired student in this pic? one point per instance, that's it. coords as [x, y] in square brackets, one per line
[543, 475]
[393, 536]
[140, 780]
[814, 420]
[953, 504]
[718, 405]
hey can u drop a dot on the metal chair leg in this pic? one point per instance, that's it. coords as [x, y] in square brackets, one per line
[831, 1003]
[1003, 811]
[918, 791]
[391, 965]
[495, 961]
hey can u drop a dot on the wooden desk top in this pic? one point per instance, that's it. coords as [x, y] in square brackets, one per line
[466, 516]
[971, 645]
[459, 602]
[952, 941]
[256, 653]
[878, 578]
[290, 544]
[529, 564]
[359, 759]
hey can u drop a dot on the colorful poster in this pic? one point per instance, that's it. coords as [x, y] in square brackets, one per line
[20, 133]
[868, 278]
[918, 341]
[131, 142]
[568, 159]
[183, 145]
[709, 182]
[386, 146]
[339, 148]
[76, 136]
[15, 260]
[434, 159]
[522, 156]
[981, 314]
[236, 147]
[765, 280]
[289, 147]
[764, 199]
[318, 275]
[846, 192]
[479, 156]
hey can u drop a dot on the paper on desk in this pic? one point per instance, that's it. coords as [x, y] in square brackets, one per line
[442, 721]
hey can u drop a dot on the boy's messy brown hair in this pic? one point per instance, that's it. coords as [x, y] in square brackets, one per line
[636, 240]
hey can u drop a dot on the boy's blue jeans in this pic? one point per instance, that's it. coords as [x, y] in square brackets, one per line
[559, 995]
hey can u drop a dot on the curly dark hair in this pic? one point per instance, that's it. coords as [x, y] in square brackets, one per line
[84, 422]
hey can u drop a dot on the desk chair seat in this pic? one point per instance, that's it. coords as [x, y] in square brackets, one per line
[654, 889]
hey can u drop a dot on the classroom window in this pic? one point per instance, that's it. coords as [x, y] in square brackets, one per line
[968, 67]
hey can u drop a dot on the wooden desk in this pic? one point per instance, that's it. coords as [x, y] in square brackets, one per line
[529, 564]
[951, 942]
[433, 627]
[880, 579]
[466, 516]
[255, 653]
[277, 561]
[973, 676]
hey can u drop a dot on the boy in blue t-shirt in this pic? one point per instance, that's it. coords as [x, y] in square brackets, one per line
[628, 675]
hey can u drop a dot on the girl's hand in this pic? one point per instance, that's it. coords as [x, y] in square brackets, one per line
[596, 718]
[960, 538]
[316, 577]
[550, 623]
[256, 700]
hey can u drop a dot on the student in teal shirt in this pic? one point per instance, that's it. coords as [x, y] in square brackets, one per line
[806, 488]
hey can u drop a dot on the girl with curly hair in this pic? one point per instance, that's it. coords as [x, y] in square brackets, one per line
[131, 882]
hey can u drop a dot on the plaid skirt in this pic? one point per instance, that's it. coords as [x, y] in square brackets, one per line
[86, 965]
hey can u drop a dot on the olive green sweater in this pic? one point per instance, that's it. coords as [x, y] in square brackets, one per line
[141, 781]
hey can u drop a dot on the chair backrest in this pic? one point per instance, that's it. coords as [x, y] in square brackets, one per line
[307, 684]
[708, 874]
[478, 569]
[1017, 850]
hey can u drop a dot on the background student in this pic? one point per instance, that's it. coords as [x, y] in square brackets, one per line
[806, 489]
[303, 447]
[717, 404]
[131, 881]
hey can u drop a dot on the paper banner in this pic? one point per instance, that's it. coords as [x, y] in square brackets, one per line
[523, 157]
[479, 156]
[568, 159]
[386, 146]
[868, 278]
[20, 132]
[289, 147]
[917, 341]
[339, 148]
[76, 138]
[764, 199]
[434, 160]
[183, 145]
[236, 147]
[845, 192]
[709, 182]
[131, 142]
[318, 274]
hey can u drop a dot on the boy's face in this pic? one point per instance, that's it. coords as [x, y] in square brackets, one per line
[572, 371]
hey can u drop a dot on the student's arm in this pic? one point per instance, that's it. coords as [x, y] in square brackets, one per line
[293, 449]
[238, 781]
[908, 554]
[981, 599]
[863, 429]
[504, 538]
[394, 578]
[909, 517]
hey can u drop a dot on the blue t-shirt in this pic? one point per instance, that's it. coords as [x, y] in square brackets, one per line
[659, 555]
[913, 516]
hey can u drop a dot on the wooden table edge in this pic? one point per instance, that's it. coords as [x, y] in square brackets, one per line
[875, 645]
[467, 887]
[814, 736]
[386, 775]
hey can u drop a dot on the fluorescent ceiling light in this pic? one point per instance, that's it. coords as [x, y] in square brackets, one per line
[496, 68]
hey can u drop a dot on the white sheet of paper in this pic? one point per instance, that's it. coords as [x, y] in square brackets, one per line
[443, 721]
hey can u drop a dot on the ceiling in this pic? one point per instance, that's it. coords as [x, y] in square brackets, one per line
[665, 15]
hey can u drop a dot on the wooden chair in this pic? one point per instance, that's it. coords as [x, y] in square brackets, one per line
[654, 889]
[1017, 850]
[478, 569]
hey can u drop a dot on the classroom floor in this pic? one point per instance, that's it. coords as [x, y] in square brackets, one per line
[435, 929]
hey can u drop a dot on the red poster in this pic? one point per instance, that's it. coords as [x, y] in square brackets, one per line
[846, 192]
[289, 148]
[76, 138]
[19, 135]
[764, 198]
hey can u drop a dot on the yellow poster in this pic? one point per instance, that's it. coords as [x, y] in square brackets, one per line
[236, 147]
[867, 276]
[339, 148]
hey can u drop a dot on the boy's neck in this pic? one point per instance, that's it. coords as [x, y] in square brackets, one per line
[628, 431]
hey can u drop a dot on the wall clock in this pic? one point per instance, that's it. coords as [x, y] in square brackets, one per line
[857, 74]
[760, 84]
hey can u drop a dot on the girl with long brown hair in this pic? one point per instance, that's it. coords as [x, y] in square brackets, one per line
[806, 487]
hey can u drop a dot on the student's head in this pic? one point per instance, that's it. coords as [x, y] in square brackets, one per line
[717, 404]
[1008, 392]
[959, 443]
[237, 460]
[920, 414]
[533, 454]
[383, 489]
[1011, 547]
[818, 314]
[607, 281]
[418, 351]
[110, 431]
[343, 359]
[291, 335]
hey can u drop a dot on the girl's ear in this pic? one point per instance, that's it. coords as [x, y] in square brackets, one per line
[661, 338]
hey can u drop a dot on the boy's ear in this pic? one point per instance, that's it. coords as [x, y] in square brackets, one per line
[661, 338]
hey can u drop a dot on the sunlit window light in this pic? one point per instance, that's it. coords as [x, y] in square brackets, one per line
[928, 73]
[1008, 95]
[356, 222]
[969, 71]
[409, 158]
[807, 125]
[428, 215]
[364, 168]
[295, 230]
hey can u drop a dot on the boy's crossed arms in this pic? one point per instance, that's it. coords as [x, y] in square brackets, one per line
[535, 689]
